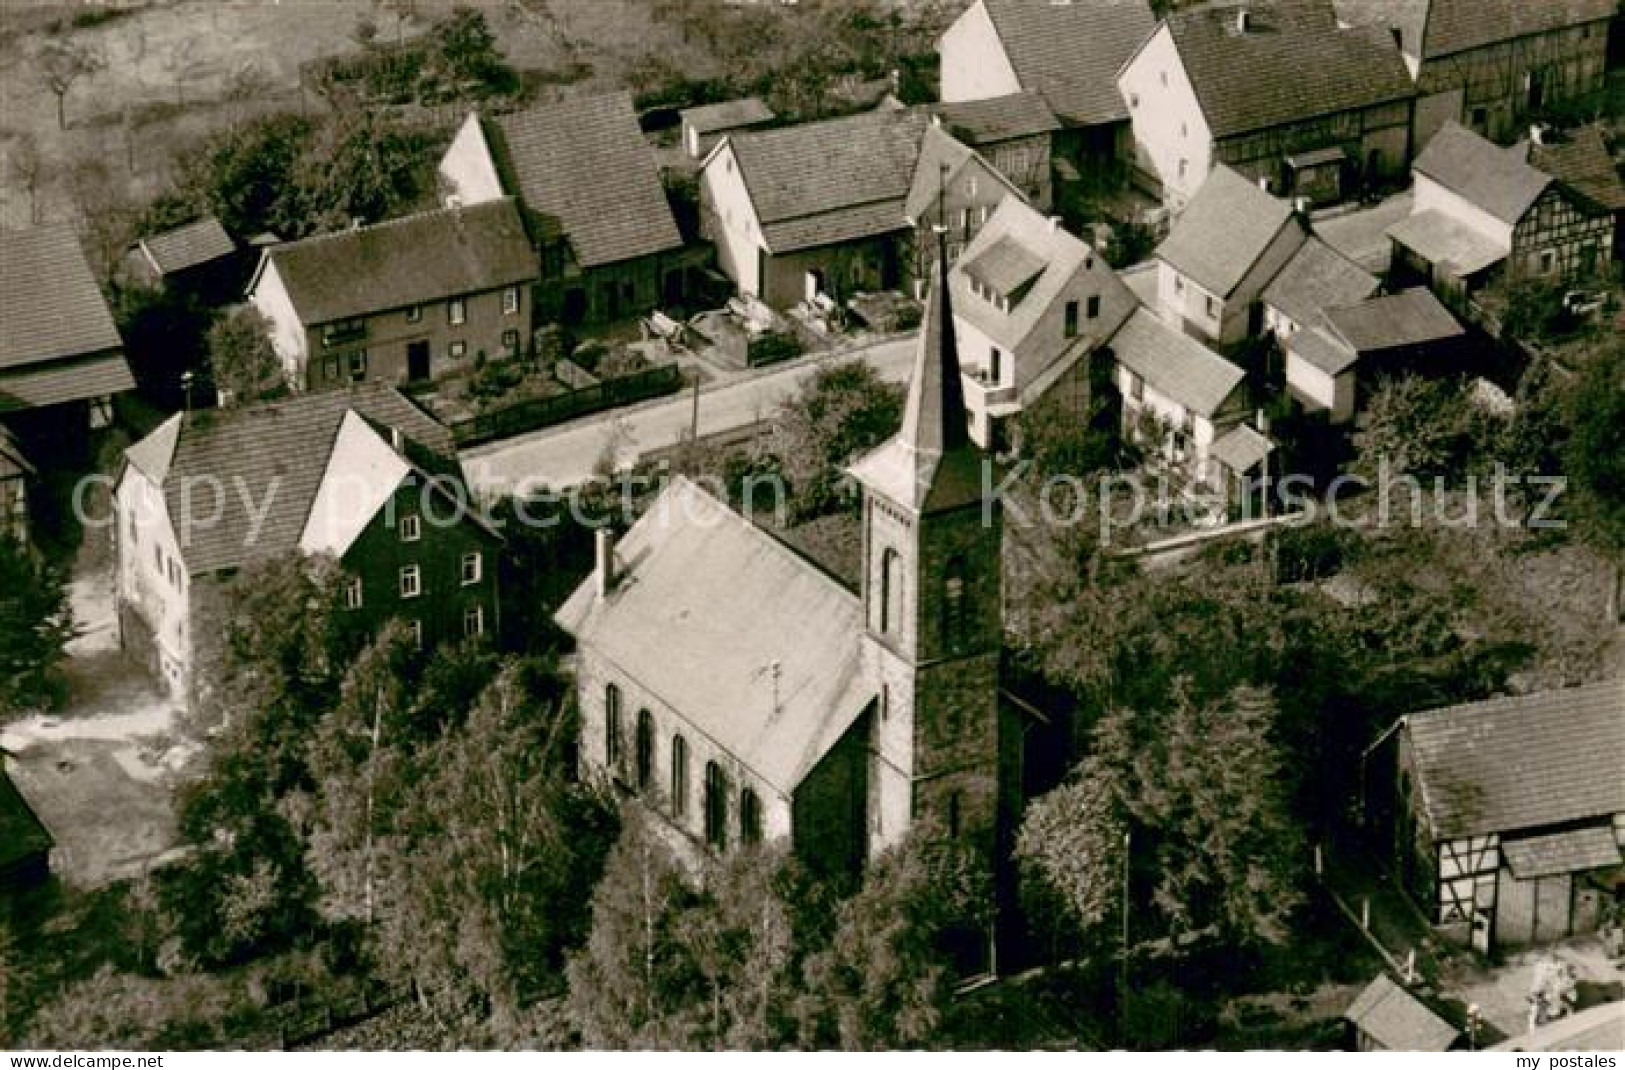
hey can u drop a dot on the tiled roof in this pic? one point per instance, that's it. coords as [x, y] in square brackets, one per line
[1175, 364]
[50, 305]
[1433, 28]
[751, 645]
[1241, 449]
[1318, 277]
[1005, 264]
[939, 149]
[1581, 160]
[1223, 231]
[1522, 762]
[430, 256]
[728, 115]
[284, 444]
[584, 162]
[1412, 317]
[1441, 239]
[1292, 63]
[1398, 1020]
[1570, 851]
[21, 832]
[1071, 52]
[35, 386]
[1495, 179]
[987, 122]
[188, 246]
[836, 180]
[1320, 349]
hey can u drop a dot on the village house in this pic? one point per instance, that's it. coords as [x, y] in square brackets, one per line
[357, 473]
[1386, 1016]
[1274, 89]
[1479, 208]
[1226, 247]
[61, 358]
[1066, 51]
[1317, 277]
[1492, 64]
[814, 209]
[198, 257]
[1504, 819]
[956, 188]
[606, 242]
[25, 842]
[15, 475]
[406, 300]
[829, 719]
[1580, 161]
[704, 126]
[1014, 134]
[1179, 397]
[1033, 305]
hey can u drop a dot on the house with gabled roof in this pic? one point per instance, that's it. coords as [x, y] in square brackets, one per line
[606, 242]
[1068, 52]
[1275, 89]
[1504, 819]
[1491, 64]
[1225, 248]
[1481, 209]
[61, 358]
[705, 125]
[1033, 306]
[1014, 133]
[358, 473]
[406, 300]
[1387, 1016]
[1176, 390]
[1317, 277]
[954, 187]
[198, 256]
[1580, 160]
[814, 209]
[828, 719]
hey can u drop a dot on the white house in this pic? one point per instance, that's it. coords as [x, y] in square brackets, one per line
[1192, 394]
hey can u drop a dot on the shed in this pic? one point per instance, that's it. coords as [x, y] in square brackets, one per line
[1387, 1017]
[704, 126]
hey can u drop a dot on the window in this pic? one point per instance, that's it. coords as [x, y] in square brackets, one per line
[1094, 306]
[411, 528]
[1135, 387]
[645, 749]
[414, 628]
[612, 728]
[953, 604]
[456, 311]
[888, 580]
[473, 568]
[457, 349]
[1071, 319]
[474, 621]
[995, 364]
[953, 815]
[679, 776]
[358, 364]
[411, 582]
[716, 806]
[414, 314]
[1212, 306]
[510, 301]
[750, 817]
[510, 341]
[1548, 260]
[330, 367]
[1184, 167]
[352, 593]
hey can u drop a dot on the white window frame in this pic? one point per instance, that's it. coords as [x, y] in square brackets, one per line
[458, 348]
[411, 581]
[354, 595]
[411, 528]
[510, 301]
[456, 311]
[474, 621]
[476, 559]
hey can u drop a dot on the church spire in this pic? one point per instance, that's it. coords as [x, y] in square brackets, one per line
[934, 417]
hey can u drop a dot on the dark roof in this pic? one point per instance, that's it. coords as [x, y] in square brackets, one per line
[448, 252]
[1580, 160]
[50, 305]
[728, 115]
[834, 543]
[1433, 28]
[1522, 762]
[286, 443]
[1223, 231]
[1399, 1021]
[584, 162]
[940, 150]
[1320, 349]
[56, 382]
[188, 246]
[1409, 318]
[1071, 52]
[21, 832]
[836, 180]
[1493, 178]
[996, 119]
[1292, 63]
[1175, 364]
[1318, 277]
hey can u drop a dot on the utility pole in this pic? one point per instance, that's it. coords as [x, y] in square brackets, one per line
[1122, 965]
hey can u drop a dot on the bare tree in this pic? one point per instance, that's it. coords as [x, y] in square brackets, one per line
[26, 166]
[63, 63]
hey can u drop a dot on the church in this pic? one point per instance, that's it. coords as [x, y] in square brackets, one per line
[749, 696]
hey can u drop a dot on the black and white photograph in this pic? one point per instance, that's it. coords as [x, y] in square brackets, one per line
[651, 526]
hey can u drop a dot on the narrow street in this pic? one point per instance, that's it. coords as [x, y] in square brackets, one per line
[565, 456]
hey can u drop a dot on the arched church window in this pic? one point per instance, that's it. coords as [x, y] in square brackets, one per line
[716, 806]
[953, 604]
[679, 776]
[612, 727]
[645, 749]
[888, 590]
[750, 817]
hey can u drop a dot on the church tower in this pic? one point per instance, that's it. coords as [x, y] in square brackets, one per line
[931, 598]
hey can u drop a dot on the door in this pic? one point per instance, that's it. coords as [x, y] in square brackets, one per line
[417, 360]
[1514, 910]
[814, 285]
[1552, 907]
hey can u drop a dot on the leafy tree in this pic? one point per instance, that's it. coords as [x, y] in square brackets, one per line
[468, 52]
[1068, 850]
[241, 356]
[1595, 460]
[123, 1012]
[35, 626]
[61, 64]
[165, 334]
[844, 411]
[244, 175]
[1417, 425]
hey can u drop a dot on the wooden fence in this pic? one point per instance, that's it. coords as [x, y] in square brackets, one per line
[536, 413]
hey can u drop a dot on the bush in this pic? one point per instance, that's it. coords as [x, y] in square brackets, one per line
[771, 347]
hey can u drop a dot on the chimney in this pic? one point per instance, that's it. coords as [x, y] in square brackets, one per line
[1301, 206]
[1054, 224]
[604, 543]
[1242, 21]
[397, 440]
